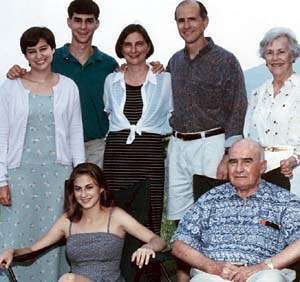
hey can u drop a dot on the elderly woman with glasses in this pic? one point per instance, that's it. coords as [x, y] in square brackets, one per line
[273, 114]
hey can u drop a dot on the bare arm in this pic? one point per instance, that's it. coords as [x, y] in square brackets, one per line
[197, 260]
[286, 257]
[222, 170]
[56, 232]
[153, 243]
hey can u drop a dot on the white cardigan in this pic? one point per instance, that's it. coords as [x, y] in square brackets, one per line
[14, 110]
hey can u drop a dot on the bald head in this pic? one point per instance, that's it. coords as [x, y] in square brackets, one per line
[251, 145]
[200, 7]
[245, 166]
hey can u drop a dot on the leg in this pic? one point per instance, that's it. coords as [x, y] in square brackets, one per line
[94, 151]
[273, 275]
[200, 276]
[70, 277]
[209, 154]
[179, 186]
[183, 271]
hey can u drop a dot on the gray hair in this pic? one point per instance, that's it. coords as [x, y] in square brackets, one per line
[275, 33]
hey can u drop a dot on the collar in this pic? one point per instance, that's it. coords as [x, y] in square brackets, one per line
[210, 44]
[292, 81]
[97, 55]
[263, 188]
[151, 77]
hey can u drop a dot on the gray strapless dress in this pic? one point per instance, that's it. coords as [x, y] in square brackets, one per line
[96, 255]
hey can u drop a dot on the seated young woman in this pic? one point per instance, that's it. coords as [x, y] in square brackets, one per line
[94, 230]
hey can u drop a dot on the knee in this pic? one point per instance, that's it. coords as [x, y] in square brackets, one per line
[68, 277]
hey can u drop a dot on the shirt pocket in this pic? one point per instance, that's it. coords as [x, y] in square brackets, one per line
[206, 94]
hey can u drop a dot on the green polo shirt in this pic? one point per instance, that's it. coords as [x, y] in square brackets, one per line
[90, 79]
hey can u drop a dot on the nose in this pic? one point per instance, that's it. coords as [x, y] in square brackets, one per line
[133, 48]
[186, 24]
[239, 167]
[38, 54]
[83, 25]
[83, 193]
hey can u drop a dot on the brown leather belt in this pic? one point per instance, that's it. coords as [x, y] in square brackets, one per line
[278, 148]
[194, 136]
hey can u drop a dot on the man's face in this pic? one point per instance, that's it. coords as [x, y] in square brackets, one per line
[245, 167]
[83, 27]
[189, 23]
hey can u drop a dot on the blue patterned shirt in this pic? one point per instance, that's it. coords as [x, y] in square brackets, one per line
[224, 227]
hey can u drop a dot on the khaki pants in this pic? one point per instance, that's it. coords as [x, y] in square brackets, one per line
[94, 151]
[268, 275]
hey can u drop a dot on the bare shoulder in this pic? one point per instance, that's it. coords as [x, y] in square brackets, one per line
[118, 212]
[63, 224]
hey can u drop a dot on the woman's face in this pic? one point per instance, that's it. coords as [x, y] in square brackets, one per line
[86, 191]
[279, 58]
[135, 49]
[40, 56]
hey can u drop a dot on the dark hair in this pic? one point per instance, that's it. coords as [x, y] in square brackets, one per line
[202, 9]
[87, 7]
[72, 208]
[131, 29]
[32, 36]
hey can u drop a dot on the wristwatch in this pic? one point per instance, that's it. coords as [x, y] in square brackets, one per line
[269, 263]
[296, 155]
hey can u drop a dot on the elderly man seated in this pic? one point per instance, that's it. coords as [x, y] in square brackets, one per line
[245, 230]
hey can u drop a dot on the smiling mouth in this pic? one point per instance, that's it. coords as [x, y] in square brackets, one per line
[85, 201]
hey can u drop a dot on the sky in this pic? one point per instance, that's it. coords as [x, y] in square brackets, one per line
[236, 25]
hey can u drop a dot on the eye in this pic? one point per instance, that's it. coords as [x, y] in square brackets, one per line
[77, 188]
[126, 45]
[180, 20]
[77, 20]
[89, 187]
[140, 44]
[90, 21]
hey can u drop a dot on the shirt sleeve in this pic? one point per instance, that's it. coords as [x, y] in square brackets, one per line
[290, 221]
[189, 228]
[4, 129]
[107, 107]
[234, 102]
[76, 129]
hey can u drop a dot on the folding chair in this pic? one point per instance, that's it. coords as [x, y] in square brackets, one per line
[136, 202]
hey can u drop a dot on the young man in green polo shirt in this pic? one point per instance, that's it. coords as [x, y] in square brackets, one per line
[88, 67]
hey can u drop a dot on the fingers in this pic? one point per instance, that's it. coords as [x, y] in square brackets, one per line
[286, 168]
[15, 72]
[157, 67]
[142, 256]
[5, 196]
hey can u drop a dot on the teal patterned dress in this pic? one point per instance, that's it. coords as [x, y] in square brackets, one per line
[37, 189]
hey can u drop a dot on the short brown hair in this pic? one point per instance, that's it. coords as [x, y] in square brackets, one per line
[131, 29]
[72, 208]
[32, 36]
[87, 7]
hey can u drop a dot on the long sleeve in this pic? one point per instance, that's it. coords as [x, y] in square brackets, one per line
[4, 130]
[76, 130]
[234, 103]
